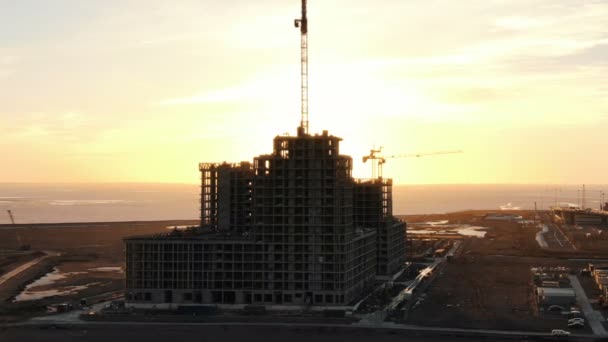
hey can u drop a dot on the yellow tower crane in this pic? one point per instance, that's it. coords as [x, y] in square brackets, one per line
[378, 160]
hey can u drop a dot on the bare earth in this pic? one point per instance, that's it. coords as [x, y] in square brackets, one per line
[489, 287]
[89, 254]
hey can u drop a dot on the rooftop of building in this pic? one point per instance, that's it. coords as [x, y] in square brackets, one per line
[581, 211]
[556, 291]
[193, 233]
[209, 234]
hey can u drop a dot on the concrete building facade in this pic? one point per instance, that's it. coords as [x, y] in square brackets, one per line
[291, 228]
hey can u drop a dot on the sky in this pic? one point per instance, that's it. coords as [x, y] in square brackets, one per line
[144, 90]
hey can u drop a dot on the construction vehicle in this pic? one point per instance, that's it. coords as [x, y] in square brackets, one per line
[378, 160]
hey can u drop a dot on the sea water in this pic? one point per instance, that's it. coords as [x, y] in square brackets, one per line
[47, 203]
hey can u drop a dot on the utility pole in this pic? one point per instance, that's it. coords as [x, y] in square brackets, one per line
[302, 23]
[555, 190]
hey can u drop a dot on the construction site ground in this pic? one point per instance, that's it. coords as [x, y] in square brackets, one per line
[84, 255]
[490, 286]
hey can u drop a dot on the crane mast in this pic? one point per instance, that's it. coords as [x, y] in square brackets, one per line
[10, 214]
[302, 23]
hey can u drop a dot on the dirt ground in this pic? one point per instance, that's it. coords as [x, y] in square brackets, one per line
[486, 292]
[90, 254]
[490, 285]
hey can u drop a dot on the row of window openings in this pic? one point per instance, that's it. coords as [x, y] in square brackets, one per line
[262, 266]
[257, 285]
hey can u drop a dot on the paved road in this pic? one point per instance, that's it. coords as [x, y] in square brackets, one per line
[553, 236]
[594, 318]
[363, 328]
[230, 333]
[24, 267]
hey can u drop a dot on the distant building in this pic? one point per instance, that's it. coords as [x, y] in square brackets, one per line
[292, 228]
[502, 217]
[582, 217]
[555, 296]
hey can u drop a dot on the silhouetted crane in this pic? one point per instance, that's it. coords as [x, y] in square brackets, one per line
[302, 24]
[378, 160]
[10, 214]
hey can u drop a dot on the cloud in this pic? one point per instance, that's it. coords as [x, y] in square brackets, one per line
[8, 63]
[237, 93]
[518, 23]
[259, 89]
[169, 39]
[70, 126]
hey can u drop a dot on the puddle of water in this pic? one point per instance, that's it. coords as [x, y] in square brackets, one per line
[479, 232]
[435, 223]
[39, 288]
[177, 227]
[465, 230]
[28, 295]
[48, 279]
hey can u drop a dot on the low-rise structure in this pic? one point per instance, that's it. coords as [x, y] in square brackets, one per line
[555, 296]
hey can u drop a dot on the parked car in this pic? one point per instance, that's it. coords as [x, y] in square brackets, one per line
[577, 325]
[559, 332]
[578, 319]
[556, 308]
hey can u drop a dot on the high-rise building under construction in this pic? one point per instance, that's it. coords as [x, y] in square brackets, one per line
[292, 228]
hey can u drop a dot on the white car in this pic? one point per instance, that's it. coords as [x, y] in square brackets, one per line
[576, 324]
[578, 319]
[559, 332]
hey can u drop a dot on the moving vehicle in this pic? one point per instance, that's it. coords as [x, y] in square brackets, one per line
[559, 332]
[578, 319]
[576, 324]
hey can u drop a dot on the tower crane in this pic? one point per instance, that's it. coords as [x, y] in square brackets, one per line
[21, 247]
[10, 214]
[302, 24]
[378, 160]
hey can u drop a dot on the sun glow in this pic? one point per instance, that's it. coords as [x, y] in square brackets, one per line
[86, 101]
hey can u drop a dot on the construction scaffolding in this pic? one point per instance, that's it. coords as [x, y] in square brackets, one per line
[278, 231]
[291, 228]
[226, 196]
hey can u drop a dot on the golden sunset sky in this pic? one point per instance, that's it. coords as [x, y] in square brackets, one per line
[141, 91]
